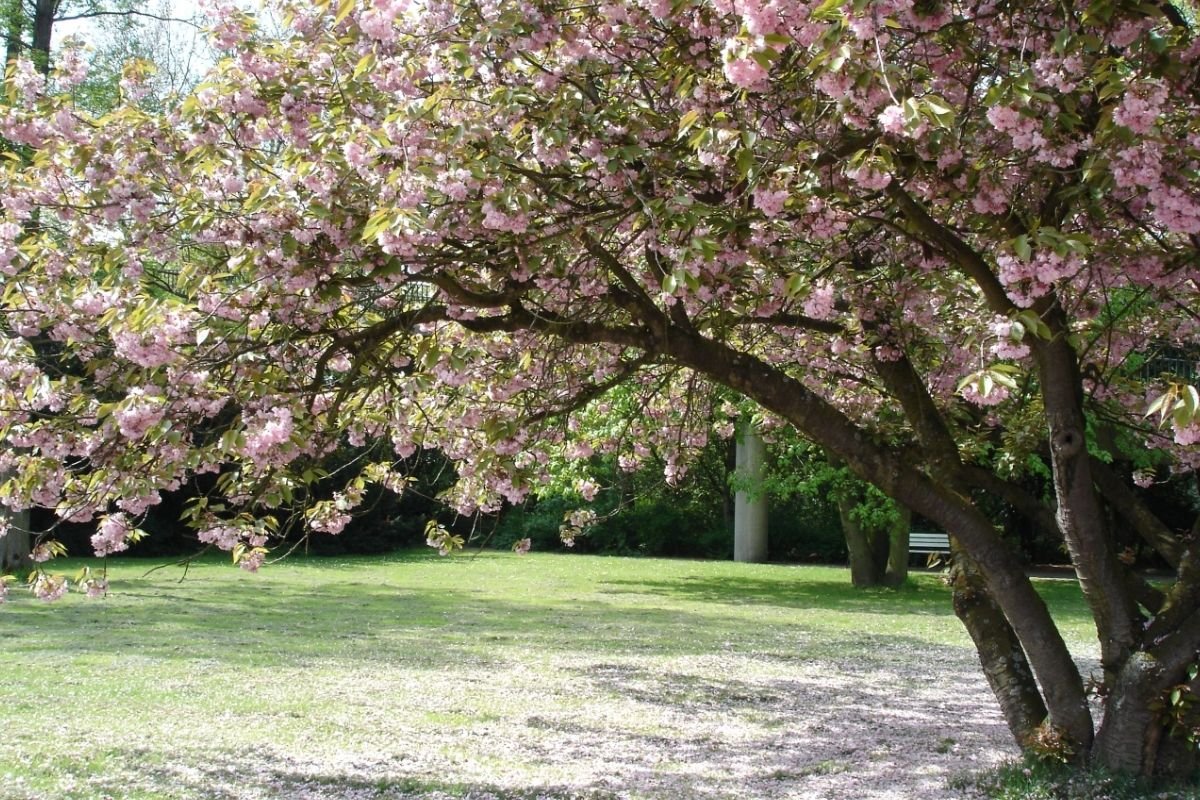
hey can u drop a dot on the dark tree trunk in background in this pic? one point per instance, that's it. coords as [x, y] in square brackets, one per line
[877, 557]
[864, 565]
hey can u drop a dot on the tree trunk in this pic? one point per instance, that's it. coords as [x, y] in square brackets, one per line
[897, 566]
[864, 565]
[1080, 514]
[1125, 733]
[1000, 652]
[43, 29]
[897, 476]
[15, 545]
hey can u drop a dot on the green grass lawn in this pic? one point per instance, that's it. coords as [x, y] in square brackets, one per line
[472, 676]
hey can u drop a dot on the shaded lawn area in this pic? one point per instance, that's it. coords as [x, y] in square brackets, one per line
[495, 676]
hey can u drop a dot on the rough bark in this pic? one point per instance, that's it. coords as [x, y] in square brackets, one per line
[43, 30]
[1128, 738]
[1000, 653]
[1000, 649]
[1081, 517]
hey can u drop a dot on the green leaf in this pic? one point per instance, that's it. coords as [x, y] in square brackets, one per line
[1022, 248]
[828, 10]
[343, 11]
[764, 58]
[365, 63]
[941, 111]
[688, 121]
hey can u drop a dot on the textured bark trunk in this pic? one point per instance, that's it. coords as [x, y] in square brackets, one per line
[897, 566]
[1000, 652]
[1081, 517]
[864, 569]
[43, 29]
[1130, 732]
[15, 546]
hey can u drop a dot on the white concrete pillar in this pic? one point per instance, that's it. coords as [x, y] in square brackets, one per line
[750, 507]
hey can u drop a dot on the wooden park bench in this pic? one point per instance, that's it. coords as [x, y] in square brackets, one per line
[928, 543]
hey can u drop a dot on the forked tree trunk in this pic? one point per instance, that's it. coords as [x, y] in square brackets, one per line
[1000, 652]
[877, 557]
[864, 565]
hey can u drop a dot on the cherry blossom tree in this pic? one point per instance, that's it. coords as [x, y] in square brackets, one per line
[942, 240]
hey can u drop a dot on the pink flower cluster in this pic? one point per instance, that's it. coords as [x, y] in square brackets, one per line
[225, 537]
[28, 81]
[1140, 107]
[1188, 434]
[252, 560]
[49, 588]
[1025, 131]
[1028, 280]
[891, 120]
[1006, 346]
[870, 178]
[995, 396]
[156, 347]
[267, 433]
[10, 232]
[111, 535]
[498, 220]
[72, 66]
[769, 202]
[326, 517]
[379, 22]
[819, 304]
[138, 413]
[746, 73]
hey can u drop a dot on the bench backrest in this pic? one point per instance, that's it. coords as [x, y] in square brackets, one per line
[928, 542]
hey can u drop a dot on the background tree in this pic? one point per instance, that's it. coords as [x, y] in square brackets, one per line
[128, 32]
[943, 225]
[874, 526]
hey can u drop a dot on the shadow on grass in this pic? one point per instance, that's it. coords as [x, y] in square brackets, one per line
[242, 623]
[223, 775]
[816, 595]
[306, 617]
